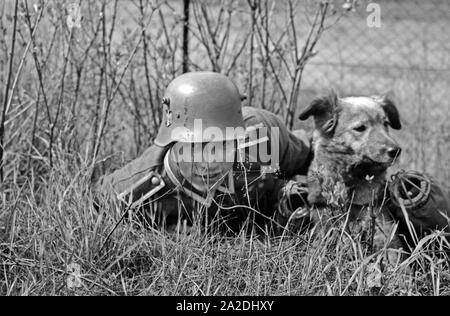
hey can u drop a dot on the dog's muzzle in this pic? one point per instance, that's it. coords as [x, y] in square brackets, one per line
[394, 152]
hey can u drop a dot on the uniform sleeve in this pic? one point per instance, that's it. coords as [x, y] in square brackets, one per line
[295, 152]
[425, 200]
[297, 155]
[125, 177]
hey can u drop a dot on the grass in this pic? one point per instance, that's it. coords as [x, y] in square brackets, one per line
[48, 229]
[47, 219]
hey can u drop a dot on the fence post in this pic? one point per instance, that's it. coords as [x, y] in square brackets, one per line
[186, 36]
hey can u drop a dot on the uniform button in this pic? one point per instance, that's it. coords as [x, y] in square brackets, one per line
[155, 181]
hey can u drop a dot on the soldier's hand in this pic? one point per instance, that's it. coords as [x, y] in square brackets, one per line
[293, 200]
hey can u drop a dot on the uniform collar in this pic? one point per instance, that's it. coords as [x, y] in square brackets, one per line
[225, 186]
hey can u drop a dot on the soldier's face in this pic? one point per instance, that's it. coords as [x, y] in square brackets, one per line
[204, 165]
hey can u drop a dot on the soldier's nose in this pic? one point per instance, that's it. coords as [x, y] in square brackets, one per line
[394, 152]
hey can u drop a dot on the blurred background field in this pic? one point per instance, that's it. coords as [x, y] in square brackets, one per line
[74, 95]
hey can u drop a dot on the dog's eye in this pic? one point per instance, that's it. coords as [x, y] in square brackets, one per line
[386, 124]
[360, 128]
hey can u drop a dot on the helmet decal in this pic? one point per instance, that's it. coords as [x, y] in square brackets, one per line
[166, 103]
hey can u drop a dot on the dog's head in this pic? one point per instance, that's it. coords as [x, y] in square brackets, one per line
[357, 127]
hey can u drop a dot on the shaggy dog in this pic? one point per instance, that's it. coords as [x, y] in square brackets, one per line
[352, 152]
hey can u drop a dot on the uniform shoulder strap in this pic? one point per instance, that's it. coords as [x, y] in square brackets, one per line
[143, 190]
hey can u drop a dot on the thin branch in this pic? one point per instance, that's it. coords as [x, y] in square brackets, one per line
[146, 68]
[8, 82]
[108, 101]
[186, 36]
[253, 6]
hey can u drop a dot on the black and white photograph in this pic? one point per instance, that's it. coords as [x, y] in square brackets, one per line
[224, 154]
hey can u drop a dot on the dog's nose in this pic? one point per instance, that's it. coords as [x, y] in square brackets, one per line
[394, 152]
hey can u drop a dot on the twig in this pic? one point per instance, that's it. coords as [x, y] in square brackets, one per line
[316, 30]
[186, 36]
[108, 102]
[147, 71]
[37, 65]
[60, 98]
[6, 93]
[253, 6]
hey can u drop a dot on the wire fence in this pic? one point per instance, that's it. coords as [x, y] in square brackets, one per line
[408, 56]
[412, 39]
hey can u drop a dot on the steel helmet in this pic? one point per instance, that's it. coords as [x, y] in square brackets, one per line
[196, 101]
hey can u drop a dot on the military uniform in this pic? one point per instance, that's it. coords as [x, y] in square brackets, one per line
[420, 204]
[148, 183]
[150, 186]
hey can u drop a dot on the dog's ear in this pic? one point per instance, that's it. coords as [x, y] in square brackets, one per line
[320, 106]
[391, 111]
[324, 111]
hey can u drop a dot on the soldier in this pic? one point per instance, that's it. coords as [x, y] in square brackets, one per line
[214, 159]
